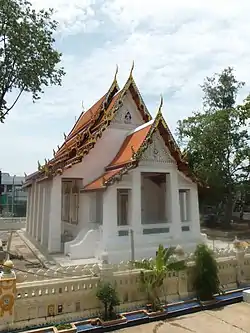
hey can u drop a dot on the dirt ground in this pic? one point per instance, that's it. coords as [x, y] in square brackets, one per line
[20, 248]
[231, 319]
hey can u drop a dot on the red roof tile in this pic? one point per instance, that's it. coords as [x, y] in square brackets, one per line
[131, 145]
[98, 183]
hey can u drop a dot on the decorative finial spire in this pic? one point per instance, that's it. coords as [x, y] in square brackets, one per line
[132, 68]
[38, 165]
[161, 104]
[65, 136]
[45, 161]
[116, 72]
[83, 108]
[25, 175]
[58, 147]
[54, 153]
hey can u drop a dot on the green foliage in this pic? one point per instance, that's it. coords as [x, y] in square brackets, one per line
[155, 271]
[61, 327]
[217, 140]
[107, 294]
[28, 61]
[206, 280]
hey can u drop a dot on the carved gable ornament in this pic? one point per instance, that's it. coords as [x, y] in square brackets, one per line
[157, 151]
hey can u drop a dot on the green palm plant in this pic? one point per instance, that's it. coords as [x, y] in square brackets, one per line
[153, 272]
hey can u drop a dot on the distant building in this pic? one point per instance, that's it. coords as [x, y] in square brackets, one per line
[13, 199]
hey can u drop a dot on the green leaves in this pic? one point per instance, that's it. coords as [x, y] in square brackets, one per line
[206, 280]
[28, 60]
[107, 294]
[154, 271]
[217, 141]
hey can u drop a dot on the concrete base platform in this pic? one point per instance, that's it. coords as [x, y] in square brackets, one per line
[246, 296]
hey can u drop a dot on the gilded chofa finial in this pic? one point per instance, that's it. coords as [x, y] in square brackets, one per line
[83, 108]
[132, 68]
[116, 72]
[160, 106]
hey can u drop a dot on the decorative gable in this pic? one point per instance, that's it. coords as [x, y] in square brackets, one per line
[157, 152]
[127, 116]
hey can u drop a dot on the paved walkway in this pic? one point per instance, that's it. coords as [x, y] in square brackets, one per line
[231, 319]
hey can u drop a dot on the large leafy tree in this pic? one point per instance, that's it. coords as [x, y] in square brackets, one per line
[28, 60]
[217, 140]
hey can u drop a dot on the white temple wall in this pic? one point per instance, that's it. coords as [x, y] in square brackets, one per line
[99, 157]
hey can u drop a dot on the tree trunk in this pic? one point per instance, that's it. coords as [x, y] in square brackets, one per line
[228, 210]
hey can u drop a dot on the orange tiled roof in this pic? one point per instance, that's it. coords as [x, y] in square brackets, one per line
[99, 182]
[131, 145]
[86, 117]
[127, 158]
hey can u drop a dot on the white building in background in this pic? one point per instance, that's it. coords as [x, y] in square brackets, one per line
[118, 170]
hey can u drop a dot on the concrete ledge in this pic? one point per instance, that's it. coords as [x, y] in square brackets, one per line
[246, 296]
[12, 223]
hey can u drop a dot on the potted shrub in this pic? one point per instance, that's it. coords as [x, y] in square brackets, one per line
[65, 328]
[152, 275]
[107, 294]
[206, 281]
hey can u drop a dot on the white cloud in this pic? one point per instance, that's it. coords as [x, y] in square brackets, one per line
[174, 45]
[74, 16]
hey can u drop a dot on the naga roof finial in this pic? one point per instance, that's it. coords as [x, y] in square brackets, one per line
[65, 136]
[83, 108]
[116, 72]
[54, 152]
[160, 106]
[132, 68]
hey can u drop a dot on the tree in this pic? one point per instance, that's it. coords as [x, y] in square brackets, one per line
[107, 294]
[28, 61]
[206, 280]
[217, 140]
[153, 272]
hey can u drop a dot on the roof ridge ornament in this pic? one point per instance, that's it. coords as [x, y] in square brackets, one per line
[160, 106]
[83, 108]
[116, 72]
[131, 70]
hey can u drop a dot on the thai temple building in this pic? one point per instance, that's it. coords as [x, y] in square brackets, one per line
[117, 187]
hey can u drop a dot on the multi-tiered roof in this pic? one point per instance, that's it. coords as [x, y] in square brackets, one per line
[89, 128]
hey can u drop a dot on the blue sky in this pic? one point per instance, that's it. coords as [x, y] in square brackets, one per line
[174, 44]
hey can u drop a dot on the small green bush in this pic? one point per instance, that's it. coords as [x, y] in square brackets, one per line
[61, 327]
[206, 280]
[108, 295]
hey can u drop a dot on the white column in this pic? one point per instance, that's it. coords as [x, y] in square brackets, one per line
[34, 208]
[38, 214]
[194, 211]
[175, 206]
[28, 206]
[54, 242]
[43, 213]
[109, 214]
[136, 202]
